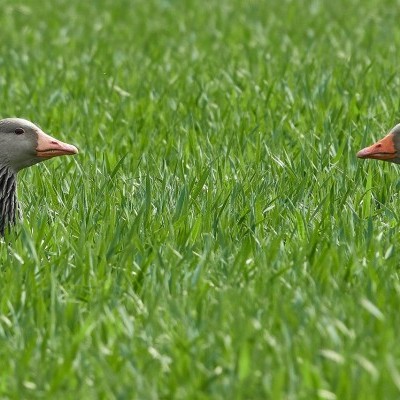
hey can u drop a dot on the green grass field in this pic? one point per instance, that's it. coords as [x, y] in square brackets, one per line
[216, 237]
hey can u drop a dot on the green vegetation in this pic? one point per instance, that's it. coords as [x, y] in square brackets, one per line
[216, 238]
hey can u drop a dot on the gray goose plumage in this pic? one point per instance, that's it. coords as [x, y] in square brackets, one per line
[22, 144]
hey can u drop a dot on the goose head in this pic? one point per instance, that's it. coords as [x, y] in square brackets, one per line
[386, 149]
[22, 144]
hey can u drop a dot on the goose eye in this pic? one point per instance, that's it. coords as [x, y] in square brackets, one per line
[19, 131]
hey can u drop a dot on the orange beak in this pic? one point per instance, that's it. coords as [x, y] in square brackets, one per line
[48, 147]
[382, 150]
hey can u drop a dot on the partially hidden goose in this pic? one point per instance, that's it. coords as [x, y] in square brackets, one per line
[22, 144]
[386, 149]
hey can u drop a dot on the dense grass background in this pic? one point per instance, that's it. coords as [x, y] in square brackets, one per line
[216, 237]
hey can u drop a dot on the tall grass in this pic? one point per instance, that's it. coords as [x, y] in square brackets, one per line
[216, 236]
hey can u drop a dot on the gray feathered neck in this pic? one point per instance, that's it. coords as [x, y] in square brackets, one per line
[22, 144]
[8, 198]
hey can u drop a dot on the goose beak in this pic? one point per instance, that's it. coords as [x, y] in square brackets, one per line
[382, 150]
[48, 147]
